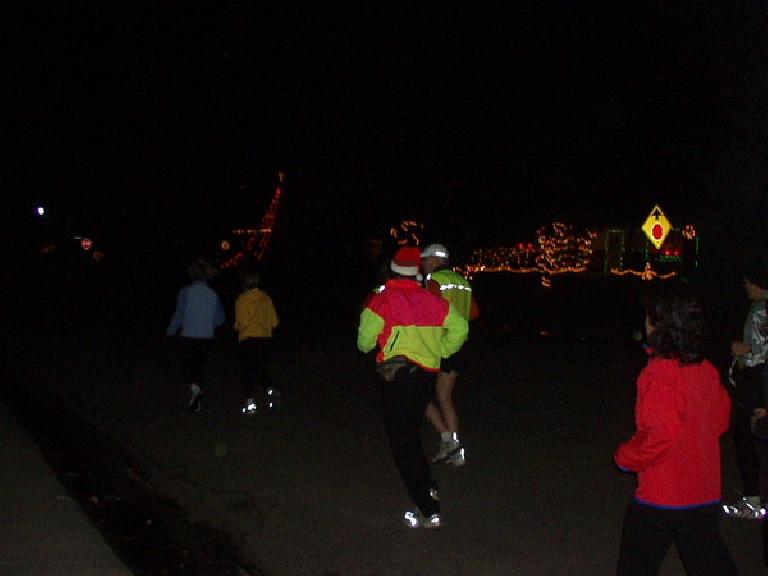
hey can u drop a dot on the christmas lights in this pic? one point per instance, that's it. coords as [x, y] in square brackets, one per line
[256, 239]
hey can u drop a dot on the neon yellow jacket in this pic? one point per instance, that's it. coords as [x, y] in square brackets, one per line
[407, 320]
[255, 315]
[456, 289]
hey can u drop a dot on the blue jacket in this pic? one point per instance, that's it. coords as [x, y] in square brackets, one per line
[198, 311]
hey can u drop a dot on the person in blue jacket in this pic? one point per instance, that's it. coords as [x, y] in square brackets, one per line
[198, 313]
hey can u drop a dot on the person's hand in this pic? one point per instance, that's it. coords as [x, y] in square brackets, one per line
[739, 348]
[756, 415]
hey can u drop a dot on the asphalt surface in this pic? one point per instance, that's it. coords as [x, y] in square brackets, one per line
[312, 490]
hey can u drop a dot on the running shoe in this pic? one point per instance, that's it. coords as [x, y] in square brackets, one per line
[250, 408]
[418, 520]
[195, 401]
[743, 509]
[447, 449]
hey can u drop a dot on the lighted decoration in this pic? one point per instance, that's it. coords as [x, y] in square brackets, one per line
[256, 240]
[689, 232]
[86, 244]
[517, 259]
[656, 227]
[647, 274]
[40, 210]
[563, 249]
[407, 233]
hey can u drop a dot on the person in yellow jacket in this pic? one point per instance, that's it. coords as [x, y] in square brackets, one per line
[255, 320]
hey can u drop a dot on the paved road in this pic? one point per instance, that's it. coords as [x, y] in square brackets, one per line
[313, 490]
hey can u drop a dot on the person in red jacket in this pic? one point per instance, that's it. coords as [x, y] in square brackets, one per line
[682, 410]
[413, 331]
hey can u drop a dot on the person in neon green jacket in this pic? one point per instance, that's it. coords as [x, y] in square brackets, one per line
[446, 283]
[414, 330]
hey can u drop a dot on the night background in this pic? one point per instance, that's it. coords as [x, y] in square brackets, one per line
[155, 129]
[155, 122]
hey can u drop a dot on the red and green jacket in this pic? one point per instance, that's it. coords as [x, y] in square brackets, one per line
[407, 320]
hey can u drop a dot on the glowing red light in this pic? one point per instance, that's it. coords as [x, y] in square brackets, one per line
[86, 243]
[658, 231]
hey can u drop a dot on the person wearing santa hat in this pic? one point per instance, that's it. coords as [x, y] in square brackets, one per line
[414, 329]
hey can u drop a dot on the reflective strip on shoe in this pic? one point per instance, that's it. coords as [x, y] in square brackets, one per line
[196, 400]
[457, 459]
[743, 509]
[447, 449]
[418, 520]
[412, 519]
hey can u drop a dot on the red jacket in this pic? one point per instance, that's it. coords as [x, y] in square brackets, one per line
[681, 412]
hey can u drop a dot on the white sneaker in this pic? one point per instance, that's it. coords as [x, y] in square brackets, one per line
[250, 407]
[447, 449]
[195, 401]
[457, 459]
[418, 520]
[743, 509]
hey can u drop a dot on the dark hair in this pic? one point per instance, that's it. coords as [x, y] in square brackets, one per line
[249, 278]
[678, 326]
[201, 269]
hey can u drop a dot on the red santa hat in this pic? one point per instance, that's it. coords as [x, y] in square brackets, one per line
[406, 261]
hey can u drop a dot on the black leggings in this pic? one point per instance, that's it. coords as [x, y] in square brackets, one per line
[195, 353]
[405, 401]
[255, 355]
[649, 532]
[748, 396]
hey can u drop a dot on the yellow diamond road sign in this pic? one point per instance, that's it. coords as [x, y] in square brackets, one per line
[656, 227]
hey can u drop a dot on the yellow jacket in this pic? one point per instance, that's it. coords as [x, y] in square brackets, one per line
[255, 315]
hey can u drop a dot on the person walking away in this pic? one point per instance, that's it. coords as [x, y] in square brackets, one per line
[198, 313]
[749, 356]
[682, 410]
[255, 321]
[413, 329]
[446, 283]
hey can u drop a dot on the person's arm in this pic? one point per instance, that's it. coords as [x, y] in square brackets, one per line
[178, 315]
[456, 331]
[239, 314]
[725, 411]
[219, 317]
[371, 325]
[274, 321]
[474, 311]
[658, 424]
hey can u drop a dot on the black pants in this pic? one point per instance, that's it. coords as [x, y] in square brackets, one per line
[748, 396]
[649, 532]
[405, 401]
[255, 354]
[194, 353]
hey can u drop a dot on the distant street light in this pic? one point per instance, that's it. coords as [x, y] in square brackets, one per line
[40, 211]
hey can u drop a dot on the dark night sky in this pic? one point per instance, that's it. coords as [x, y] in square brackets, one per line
[488, 121]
